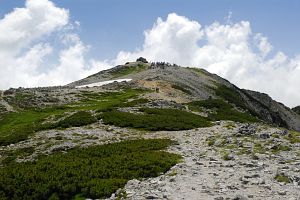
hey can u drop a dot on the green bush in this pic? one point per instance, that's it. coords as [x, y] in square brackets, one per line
[156, 119]
[93, 172]
[221, 110]
[125, 70]
[183, 89]
[231, 95]
[17, 126]
[80, 118]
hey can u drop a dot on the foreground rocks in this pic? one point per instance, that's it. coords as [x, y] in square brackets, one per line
[205, 173]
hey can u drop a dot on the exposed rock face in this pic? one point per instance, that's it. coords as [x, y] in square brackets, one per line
[271, 111]
[297, 110]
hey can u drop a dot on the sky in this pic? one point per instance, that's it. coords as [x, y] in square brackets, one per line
[253, 43]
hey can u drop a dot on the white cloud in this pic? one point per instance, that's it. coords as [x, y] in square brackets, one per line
[231, 50]
[23, 52]
[262, 43]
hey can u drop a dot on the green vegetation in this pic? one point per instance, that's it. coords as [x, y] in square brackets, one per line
[183, 89]
[200, 71]
[293, 137]
[282, 178]
[106, 101]
[259, 148]
[2, 108]
[80, 118]
[134, 102]
[222, 110]
[11, 156]
[279, 148]
[17, 126]
[230, 95]
[93, 172]
[226, 156]
[125, 70]
[211, 141]
[156, 119]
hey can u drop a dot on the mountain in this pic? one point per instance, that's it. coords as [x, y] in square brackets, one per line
[147, 131]
[198, 84]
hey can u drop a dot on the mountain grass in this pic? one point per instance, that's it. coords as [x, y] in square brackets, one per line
[221, 110]
[181, 88]
[80, 118]
[15, 127]
[155, 119]
[126, 70]
[18, 126]
[92, 172]
[230, 95]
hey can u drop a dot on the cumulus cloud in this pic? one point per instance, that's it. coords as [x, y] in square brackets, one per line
[23, 49]
[230, 50]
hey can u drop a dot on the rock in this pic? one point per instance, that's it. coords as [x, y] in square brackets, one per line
[219, 198]
[281, 192]
[172, 180]
[239, 197]
[247, 129]
[264, 136]
[284, 132]
[152, 196]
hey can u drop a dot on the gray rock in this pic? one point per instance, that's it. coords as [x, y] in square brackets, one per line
[264, 135]
[239, 197]
[281, 192]
[247, 129]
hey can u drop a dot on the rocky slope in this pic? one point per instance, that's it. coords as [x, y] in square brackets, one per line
[297, 110]
[199, 84]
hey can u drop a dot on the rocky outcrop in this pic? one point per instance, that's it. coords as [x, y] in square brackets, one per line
[296, 110]
[271, 111]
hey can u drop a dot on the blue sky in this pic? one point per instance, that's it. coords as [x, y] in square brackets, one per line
[114, 25]
[253, 43]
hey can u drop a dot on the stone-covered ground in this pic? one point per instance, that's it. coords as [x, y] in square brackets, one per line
[226, 161]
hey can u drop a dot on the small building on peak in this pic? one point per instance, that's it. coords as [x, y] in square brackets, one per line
[141, 59]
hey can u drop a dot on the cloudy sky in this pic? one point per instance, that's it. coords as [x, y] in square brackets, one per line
[255, 44]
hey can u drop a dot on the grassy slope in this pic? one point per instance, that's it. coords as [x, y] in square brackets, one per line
[15, 127]
[156, 119]
[128, 70]
[93, 172]
[221, 110]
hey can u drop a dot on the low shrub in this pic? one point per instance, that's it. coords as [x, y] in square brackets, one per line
[221, 110]
[155, 119]
[92, 172]
[183, 89]
[80, 118]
